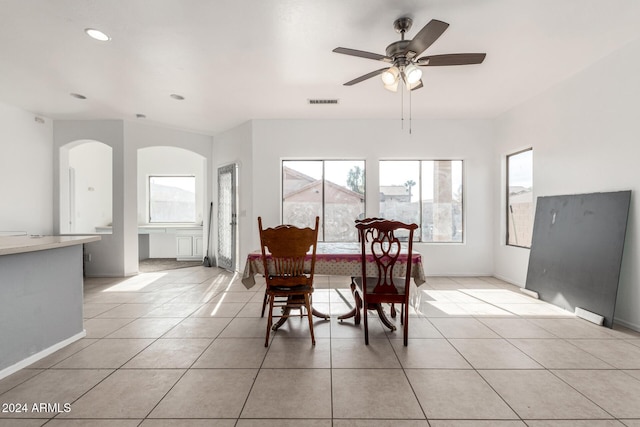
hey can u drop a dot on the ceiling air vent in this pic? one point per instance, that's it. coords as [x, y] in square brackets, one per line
[323, 101]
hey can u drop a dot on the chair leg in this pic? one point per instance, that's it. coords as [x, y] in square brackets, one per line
[307, 303]
[269, 321]
[366, 324]
[264, 304]
[405, 313]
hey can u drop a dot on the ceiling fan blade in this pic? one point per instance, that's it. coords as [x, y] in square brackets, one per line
[362, 54]
[365, 77]
[425, 37]
[417, 85]
[451, 59]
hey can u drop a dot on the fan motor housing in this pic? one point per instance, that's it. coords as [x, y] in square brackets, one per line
[397, 49]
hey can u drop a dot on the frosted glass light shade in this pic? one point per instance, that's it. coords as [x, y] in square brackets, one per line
[413, 73]
[390, 76]
[393, 87]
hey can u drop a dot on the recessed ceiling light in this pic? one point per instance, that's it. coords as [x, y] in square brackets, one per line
[176, 96]
[77, 95]
[97, 34]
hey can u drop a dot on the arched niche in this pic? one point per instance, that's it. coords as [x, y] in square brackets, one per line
[168, 161]
[86, 188]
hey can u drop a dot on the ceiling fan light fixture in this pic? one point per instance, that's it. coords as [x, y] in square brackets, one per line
[393, 87]
[413, 73]
[390, 76]
[412, 86]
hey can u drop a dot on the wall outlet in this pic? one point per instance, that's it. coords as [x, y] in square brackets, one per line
[87, 257]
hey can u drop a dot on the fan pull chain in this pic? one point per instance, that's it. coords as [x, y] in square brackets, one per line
[401, 109]
[409, 111]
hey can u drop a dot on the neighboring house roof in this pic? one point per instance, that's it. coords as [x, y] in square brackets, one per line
[522, 197]
[517, 189]
[297, 174]
[334, 192]
[173, 194]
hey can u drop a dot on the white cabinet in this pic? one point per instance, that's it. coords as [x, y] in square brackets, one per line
[189, 244]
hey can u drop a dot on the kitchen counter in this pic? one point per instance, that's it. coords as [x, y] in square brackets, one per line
[21, 244]
[41, 297]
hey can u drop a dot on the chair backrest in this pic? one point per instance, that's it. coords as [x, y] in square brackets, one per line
[285, 251]
[380, 241]
[368, 235]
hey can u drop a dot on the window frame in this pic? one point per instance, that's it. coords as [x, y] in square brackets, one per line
[421, 201]
[508, 195]
[322, 231]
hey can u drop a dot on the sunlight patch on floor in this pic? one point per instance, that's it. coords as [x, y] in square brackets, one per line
[135, 283]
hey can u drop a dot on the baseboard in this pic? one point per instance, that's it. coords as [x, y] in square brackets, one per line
[630, 325]
[508, 280]
[41, 355]
[459, 275]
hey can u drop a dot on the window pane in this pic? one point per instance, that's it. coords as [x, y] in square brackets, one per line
[400, 190]
[172, 199]
[428, 193]
[520, 198]
[442, 201]
[343, 199]
[330, 189]
[301, 192]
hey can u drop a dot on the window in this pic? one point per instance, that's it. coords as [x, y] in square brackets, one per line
[425, 192]
[330, 189]
[172, 199]
[520, 198]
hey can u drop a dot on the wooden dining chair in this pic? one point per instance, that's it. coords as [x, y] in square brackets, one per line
[380, 242]
[368, 235]
[370, 231]
[355, 312]
[289, 258]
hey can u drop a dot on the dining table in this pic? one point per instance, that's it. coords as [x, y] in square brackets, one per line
[341, 259]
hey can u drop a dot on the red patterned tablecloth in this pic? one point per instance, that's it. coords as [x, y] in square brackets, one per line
[336, 259]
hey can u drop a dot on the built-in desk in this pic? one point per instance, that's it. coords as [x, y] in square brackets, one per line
[185, 239]
[188, 240]
[41, 297]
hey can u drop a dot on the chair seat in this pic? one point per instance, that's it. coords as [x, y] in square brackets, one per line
[300, 289]
[280, 284]
[371, 283]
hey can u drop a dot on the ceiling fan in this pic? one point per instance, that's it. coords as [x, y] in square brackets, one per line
[403, 56]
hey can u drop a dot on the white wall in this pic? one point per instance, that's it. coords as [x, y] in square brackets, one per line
[26, 171]
[117, 254]
[111, 255]
[230, 147]
[179, 152]
[585, 134]
[373, 140]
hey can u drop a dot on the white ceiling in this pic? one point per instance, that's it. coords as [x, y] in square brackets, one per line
[236, 60]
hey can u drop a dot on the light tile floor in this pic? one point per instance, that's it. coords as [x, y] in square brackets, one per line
[186, 348]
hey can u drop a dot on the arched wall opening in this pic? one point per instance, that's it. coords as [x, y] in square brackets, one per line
[164, 236]
[86, 188]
